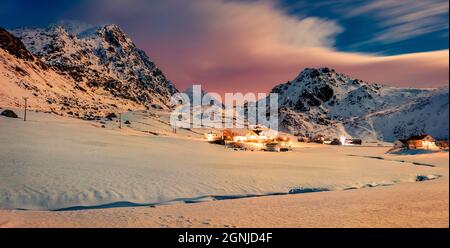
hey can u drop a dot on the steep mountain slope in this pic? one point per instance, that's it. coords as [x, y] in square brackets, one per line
[424, 115]
[101, 59]
[14, 46]
[323, 101]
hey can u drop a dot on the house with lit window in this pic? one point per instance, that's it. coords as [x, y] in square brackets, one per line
[423, 141]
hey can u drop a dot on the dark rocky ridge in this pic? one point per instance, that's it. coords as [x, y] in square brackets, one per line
[15, 47]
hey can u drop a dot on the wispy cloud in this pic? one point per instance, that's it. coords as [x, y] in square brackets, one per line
[403, 19]
[250, 45]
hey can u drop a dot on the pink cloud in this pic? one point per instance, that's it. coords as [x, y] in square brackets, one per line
[251, 46]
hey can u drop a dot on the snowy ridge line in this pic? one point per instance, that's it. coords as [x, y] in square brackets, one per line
[405, 107]
[206, 198]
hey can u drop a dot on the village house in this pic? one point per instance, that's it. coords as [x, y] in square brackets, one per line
[239, 139]
[349, 142]
[423, 141]
[255, 140]
[252, 136]
[285, 143]
[228, 135]
[211, 137]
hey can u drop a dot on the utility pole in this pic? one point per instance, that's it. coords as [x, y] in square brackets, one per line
[120, 120]
[25, 111]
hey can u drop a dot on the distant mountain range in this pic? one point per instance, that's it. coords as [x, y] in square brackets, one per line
[84, 71]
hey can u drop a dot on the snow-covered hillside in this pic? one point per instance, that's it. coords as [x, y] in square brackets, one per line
[99, 59]
[23, 75]
[323, 101]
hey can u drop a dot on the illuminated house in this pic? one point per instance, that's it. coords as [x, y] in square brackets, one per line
[210, 137]
[284, 141]
[251, 137]
[349, 142]
[228, 135]
[239, 139]
[424, 141]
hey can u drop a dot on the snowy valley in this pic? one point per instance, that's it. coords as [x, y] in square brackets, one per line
[72, 155]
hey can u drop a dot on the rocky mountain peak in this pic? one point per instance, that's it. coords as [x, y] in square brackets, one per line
[115, 36]
[323, 86]
[57, 30]
[74, 27]
[329, 76]
[315, 72]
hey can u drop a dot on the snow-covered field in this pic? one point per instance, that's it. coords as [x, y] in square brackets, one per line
[52, 162]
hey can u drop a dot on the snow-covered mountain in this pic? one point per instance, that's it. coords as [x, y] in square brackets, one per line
[323, 101]
[79, 70]
[24, 75]
[101, 59]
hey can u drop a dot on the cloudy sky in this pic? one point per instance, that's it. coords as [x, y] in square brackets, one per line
[252, 45]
